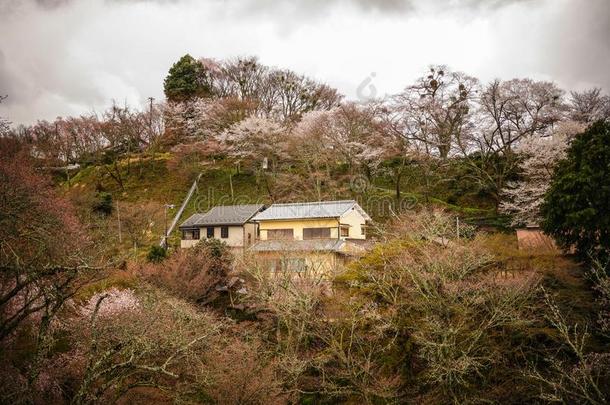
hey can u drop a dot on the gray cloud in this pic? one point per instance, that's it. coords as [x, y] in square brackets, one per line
[316, 6]
[60, 57]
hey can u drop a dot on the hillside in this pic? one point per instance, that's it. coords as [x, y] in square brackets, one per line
[414, 291]
[153, 181]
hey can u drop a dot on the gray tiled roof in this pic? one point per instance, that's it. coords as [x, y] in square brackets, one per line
[318, 209]
[224, 215]
[311, 245]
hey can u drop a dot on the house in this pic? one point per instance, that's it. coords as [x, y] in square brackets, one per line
[231, 224]
[318, 236]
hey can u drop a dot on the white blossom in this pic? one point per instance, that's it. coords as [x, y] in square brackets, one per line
[523, 198]
[115, 302]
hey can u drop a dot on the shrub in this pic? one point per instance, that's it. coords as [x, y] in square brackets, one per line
[446, 310]
[103, 203]
[192, 273]
[156, 254]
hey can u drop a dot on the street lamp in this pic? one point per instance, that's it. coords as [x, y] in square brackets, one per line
[166, 207]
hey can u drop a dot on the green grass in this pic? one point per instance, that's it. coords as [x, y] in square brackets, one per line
[160, 180]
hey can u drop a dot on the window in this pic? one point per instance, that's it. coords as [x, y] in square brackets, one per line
[190, 234]
[210, 232]
[345, 231]
[362, 230]
[297, 265]
[224, 232]
[280, 234]
[316, 233]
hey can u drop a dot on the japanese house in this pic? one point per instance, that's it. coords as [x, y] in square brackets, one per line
[231, 224]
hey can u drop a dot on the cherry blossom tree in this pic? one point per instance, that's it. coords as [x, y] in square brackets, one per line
[5, 124]
[523, 198]
[350, 133]
[252, 140]
[203, 118]
[507, 114]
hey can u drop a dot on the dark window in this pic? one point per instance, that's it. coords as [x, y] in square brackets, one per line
[296, 265]
[224, 232]
[316, 233]
[190, 234]
[362, 230]
[210, 232]
[345, 231]
[280, 234]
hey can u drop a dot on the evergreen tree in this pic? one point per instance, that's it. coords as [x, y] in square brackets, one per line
[186, 79]
[576, 209]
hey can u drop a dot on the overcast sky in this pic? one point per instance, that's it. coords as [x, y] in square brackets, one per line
[68, 57]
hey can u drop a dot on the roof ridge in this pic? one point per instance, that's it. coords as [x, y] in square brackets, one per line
[236, 205]
[314, 202]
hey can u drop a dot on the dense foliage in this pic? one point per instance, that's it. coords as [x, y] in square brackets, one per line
[577, 206]
[185, 80]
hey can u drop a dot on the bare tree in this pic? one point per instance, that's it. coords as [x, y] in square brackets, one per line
[435, 109]
[589, 106]
[294, 95]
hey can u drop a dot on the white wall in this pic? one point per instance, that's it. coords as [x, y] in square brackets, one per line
[356, 222]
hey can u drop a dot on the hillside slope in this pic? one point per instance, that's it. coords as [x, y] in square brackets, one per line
[141, 185]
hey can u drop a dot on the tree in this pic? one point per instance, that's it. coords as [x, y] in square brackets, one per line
[522, 198]
[350, 133]
[5, 125]
[589, 106]
[508, 113]
[254, 142]
[435, 109]
[138, 221]
[186, 79]
[576, 210]
[294, 95]
[397, 142]
[255, 139]
[244, 78]
[203, 118]
[44, 257]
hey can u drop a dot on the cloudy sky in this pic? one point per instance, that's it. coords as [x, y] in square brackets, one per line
[67, 57]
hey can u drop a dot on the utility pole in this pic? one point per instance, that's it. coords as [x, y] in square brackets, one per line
[166, 206]
[118, 214]
[150, 100]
